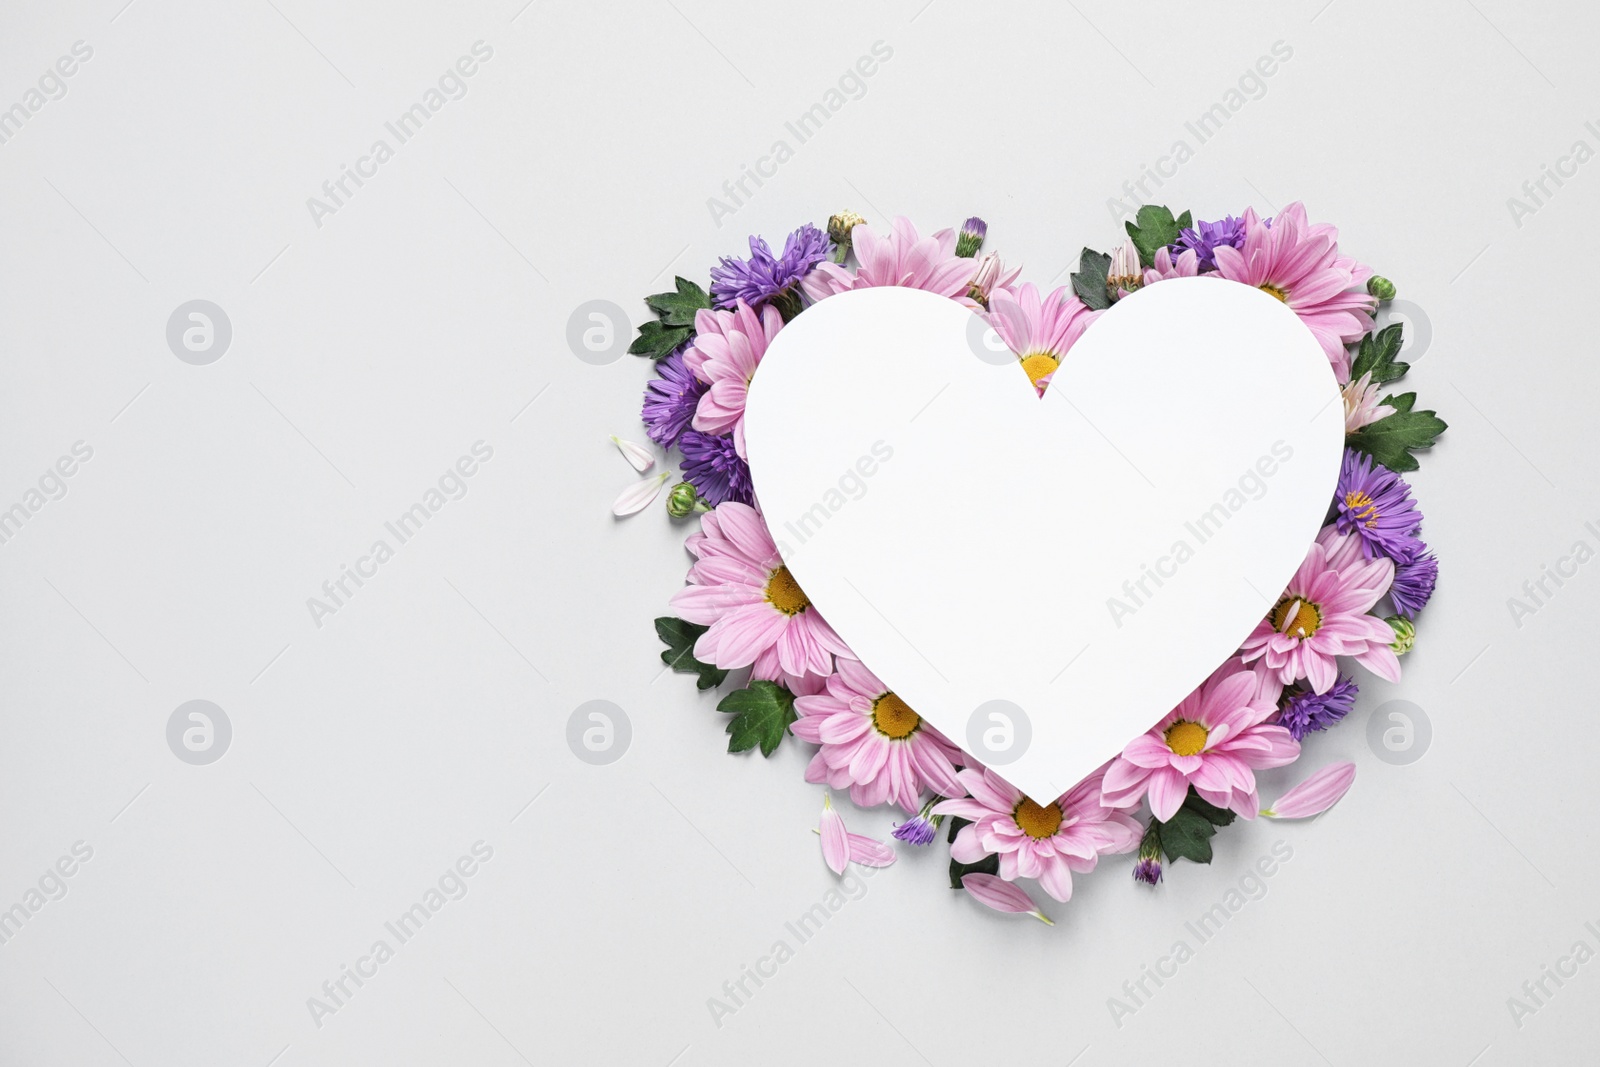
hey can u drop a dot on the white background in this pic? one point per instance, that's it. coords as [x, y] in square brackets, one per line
[431, 309]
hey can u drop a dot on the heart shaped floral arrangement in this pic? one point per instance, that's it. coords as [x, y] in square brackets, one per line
[1353, 599]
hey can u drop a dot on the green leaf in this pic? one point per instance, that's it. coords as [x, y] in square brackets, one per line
[1391, 439]
[987, 865]
[1210, 812]
[1089, 280]
[1401, 403]
[680, 637]
[1187, 835]
[761, 713]
[678, 308]
[1376, 355]
[675, 313]
[1155, 228]
[657, 341]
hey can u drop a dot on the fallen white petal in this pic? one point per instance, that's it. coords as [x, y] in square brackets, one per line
[637, 496]
[637, 455]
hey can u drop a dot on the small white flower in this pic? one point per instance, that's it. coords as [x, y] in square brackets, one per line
[638, 496]
[637, 455]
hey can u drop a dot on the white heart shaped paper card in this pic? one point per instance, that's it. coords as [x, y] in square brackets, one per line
[1043, 578]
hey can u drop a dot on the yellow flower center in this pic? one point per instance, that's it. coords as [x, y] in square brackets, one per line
[1038, 821]
[1038, 365]
[1296, 617]
[1186, 738]
[893, 718]
[1363, 507]
[785, 594]
[1281, 294]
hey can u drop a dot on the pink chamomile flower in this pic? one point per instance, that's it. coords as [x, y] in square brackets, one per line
[1215, 740]
[757, 615]
[1048, 842]
[873, 742]
[900, 257]
[1300, 264]
[1323, 615]
[1038, 329]
[727, 348]
[1163, 266]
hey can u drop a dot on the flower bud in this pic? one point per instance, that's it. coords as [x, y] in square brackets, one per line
[921, 830]
[1380, 287]
[973, 231]
[1148, 869]
[1405, 634]
[840, 225]
[1124, 274]
[990, 271]
[682, 500]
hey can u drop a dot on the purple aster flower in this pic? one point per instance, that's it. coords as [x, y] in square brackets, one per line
[1414, 579]
[1302, 711]
[670, 399]
[764, 278]
[1375, 503]
[973, 231]
[715, 470]
[1206, 237]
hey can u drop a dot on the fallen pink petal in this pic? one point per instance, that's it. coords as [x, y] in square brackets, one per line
[870, 853]
[1316, 794]
[835, 838]
[997, 893]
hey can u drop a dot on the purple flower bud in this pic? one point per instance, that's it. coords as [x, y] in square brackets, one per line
[1148, 869]
[918, 831]
[973, 231]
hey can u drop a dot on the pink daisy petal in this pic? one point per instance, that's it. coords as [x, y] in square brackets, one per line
[1319, 792]
[1167, 790]
[868, 852]
[835, 839]
[1001, 895]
